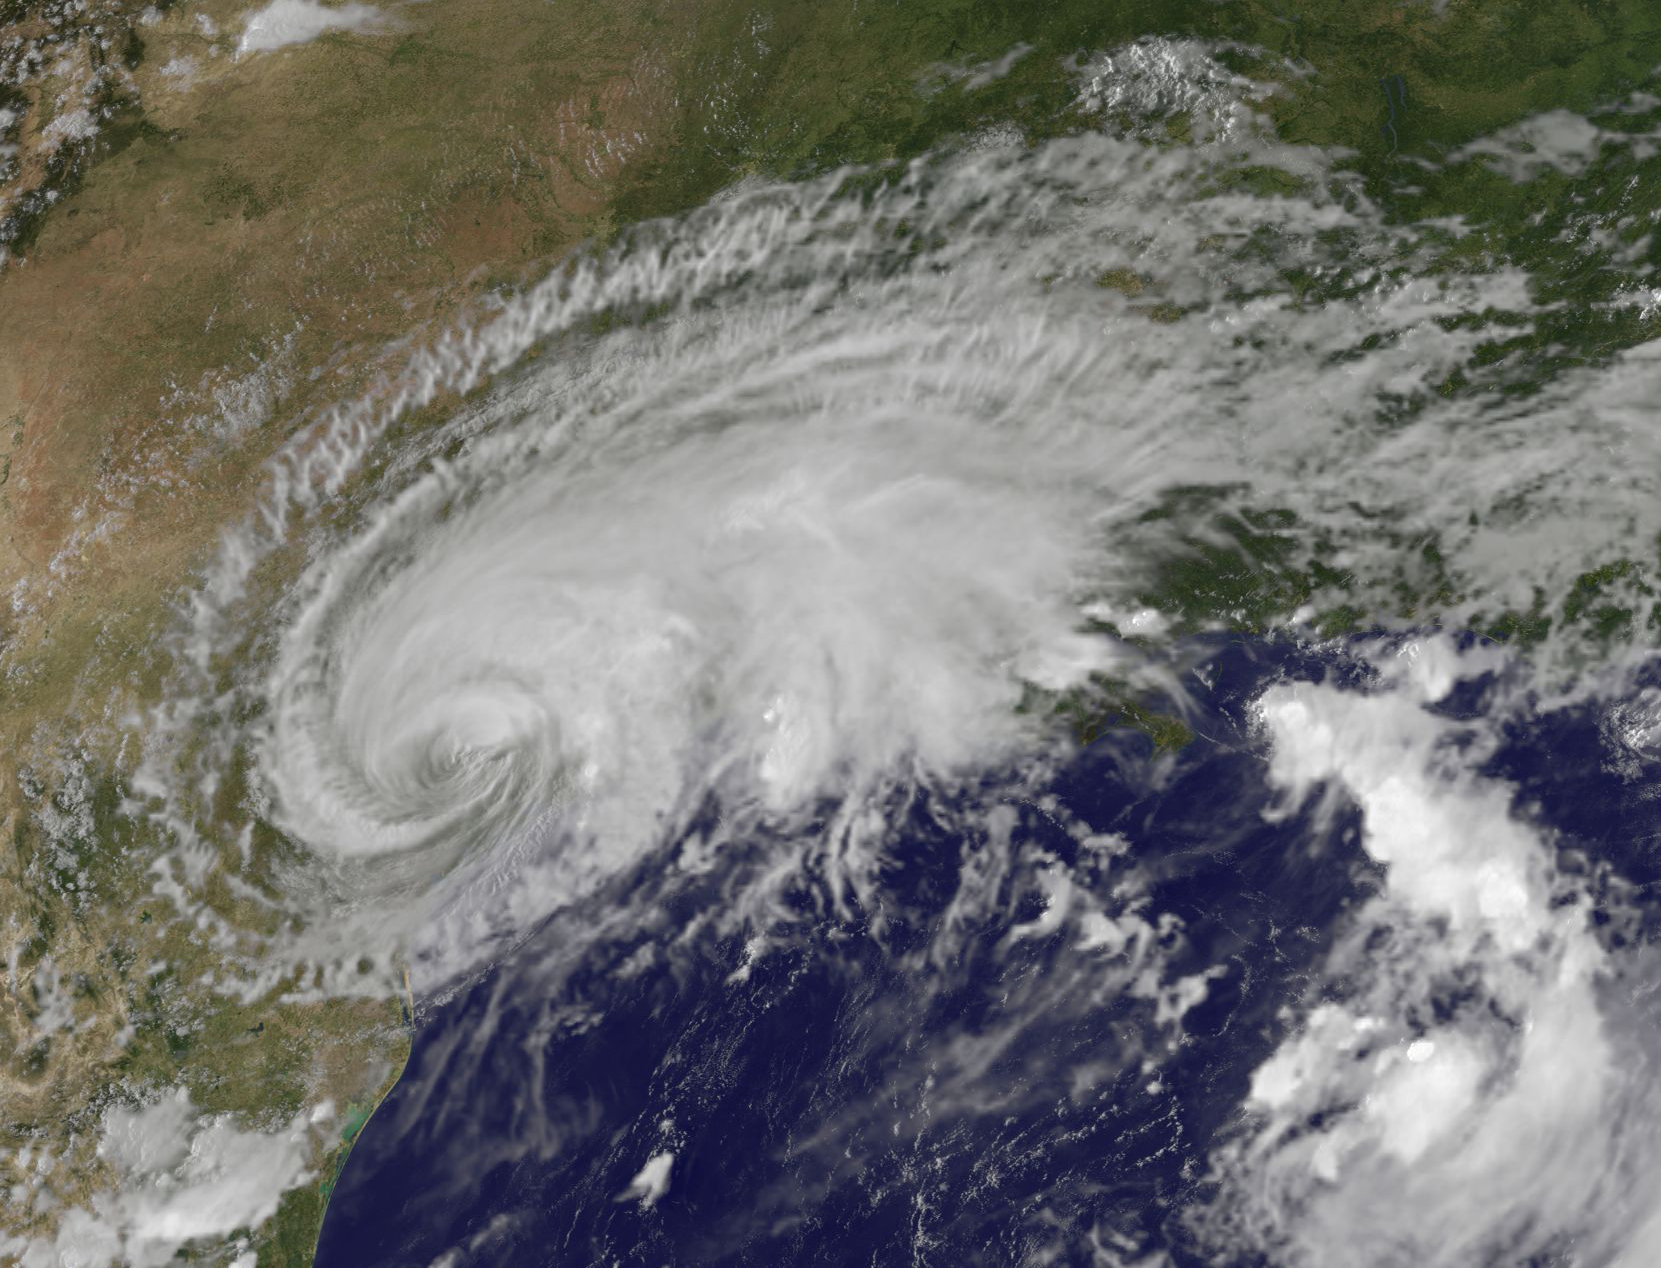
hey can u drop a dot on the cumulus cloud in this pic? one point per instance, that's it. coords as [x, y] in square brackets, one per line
[1468, 1089]
[652, 1182]
[284, 22]
[183, 1177]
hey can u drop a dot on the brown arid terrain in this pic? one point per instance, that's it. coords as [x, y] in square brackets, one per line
[282, 211]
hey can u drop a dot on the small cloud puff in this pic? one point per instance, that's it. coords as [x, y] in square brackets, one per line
[652, 1182]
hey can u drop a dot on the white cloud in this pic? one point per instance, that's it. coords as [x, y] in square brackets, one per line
[71, 125]
[149, 1140]
[284, 22]
[1156, 79]
[182, 69]
[652, 1181]
[1558, 140]
[1475, 1092]
[183, 1177]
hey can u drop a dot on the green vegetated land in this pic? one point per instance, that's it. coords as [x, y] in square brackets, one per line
[1398, 85]
[315, 203]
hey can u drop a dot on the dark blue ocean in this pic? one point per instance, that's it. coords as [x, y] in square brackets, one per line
[932, 1077]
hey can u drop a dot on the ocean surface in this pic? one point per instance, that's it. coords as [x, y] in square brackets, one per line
[693, 713]
[1042, 1037]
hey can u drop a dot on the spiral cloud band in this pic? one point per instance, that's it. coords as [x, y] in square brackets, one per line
[768, 521]
[849, 473]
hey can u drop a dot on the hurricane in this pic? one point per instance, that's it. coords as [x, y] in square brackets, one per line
[653, 620]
